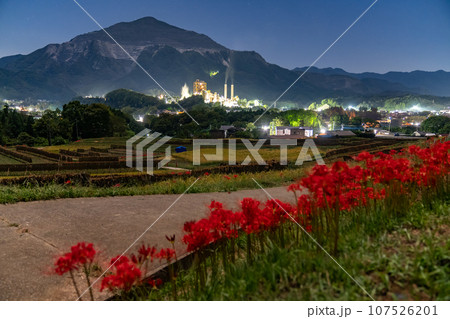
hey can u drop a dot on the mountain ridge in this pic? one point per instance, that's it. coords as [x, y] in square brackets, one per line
[92, 64]
[422, 82]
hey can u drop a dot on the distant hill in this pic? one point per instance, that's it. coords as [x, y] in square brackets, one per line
[419, 82]
[92, 64]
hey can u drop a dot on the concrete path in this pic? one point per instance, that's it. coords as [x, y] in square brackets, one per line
[33, 234]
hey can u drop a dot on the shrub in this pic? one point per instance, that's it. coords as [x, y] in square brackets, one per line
[26, 139]
[59, 141]
[40, 141]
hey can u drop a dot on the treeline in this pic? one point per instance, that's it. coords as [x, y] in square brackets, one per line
[211, 118]
[386, 103]
[436, 124]
[130, 100]
[75, 121]
[208, 118]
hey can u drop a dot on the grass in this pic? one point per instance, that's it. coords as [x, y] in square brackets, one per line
[211, 183]
[404, 259]
[36, 159]
[104, 142]
[93, 172]
[8, 160]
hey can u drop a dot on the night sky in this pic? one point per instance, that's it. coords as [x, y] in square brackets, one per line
[395, 35]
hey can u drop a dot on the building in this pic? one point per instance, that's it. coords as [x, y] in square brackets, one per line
[396, 122]
[294, 131]
[199, 87]
[227, 130]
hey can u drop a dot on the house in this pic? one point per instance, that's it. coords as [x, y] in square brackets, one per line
[293, 131]
[227, 130]
[383, 132]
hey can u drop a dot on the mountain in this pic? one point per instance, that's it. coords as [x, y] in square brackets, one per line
[92, 64]
[420, 82]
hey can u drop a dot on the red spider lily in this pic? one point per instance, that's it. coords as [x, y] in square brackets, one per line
[251, 213]
[188, 172]
[125, 276]
[198, 234]
[222, 222]
[65, 264]
[83, 253]
[206, 174]
[155, 283]
[79, 255]
[166, 253]
[226, 177]
[117, 185]
[145, 252]
[68, 182]
[235, 176]
[364, 156]
[188, 226]
[171, 239]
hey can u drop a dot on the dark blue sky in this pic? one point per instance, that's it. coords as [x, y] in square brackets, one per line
[398, 35]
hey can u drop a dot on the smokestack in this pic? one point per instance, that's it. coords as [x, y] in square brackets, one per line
[232, 91]
[225, 91]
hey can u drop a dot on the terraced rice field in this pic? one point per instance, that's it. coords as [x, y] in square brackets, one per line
[8, 160]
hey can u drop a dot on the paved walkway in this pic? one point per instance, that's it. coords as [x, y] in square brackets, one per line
[33, 234]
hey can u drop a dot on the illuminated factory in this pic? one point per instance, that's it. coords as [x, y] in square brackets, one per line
[200, 88]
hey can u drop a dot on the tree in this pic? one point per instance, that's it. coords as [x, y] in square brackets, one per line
[301, 118]
[436, 124]
[73, 112]
[339, 119]
[96, 121]
[356, 121]
[48, 125]
[25, 139]
[273, 125]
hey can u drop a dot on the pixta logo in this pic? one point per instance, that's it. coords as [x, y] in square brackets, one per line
[150, 142]
[149, 155]
[253, 149]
